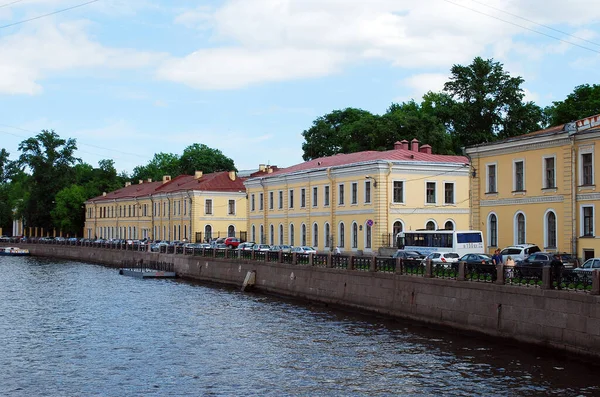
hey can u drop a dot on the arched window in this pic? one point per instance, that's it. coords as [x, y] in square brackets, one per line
[368, 236]
[551, 240]
[520, 228]
[291, 234]
[280, 234]
[253, 233]
[397, 228]
[493, 231]
[342, 235]
[271, 235]
[449, 225]
[185, 236]
[430, 225]
[231, 231]
[207, 233]
[354, 235]
[262, 235]
[315, 235]
[303, 231]
[327, 235]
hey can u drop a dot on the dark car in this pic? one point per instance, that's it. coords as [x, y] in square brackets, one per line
[539, 259]
[410, 255]
[476, 259]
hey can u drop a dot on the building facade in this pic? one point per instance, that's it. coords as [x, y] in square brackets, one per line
[358, 201]
[193, 208]
[539, 188]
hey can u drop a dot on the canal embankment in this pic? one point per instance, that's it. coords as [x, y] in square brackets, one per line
[561, 319]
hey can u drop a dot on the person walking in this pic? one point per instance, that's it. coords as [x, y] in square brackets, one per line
[497, 258]
[556, 267]
[509, 267]
[337, 250]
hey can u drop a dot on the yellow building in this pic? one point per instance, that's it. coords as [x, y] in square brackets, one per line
[539, 188]
[193, 208]
[358, 201]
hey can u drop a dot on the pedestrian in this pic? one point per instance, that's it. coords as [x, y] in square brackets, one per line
[497, 258]
[509, 267]
[556, 267]
[337, 250]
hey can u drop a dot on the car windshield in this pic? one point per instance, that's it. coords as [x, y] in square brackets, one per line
[451, 255]
[412, 253]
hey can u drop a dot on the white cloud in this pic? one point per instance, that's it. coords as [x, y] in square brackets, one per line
[276, 40]
[420, 84]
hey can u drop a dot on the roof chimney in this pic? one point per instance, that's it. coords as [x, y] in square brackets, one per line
[104, 194]
[262, 167]
[232, 175]
[166, 178]
[425, 149]
[127, 184]
[197, 174]
[398, 145]
[141, 181]
[415, 145]
[404, 143]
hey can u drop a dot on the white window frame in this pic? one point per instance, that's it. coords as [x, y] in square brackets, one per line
[582, 151]
[280, 203]
[434, 193]
[326, 196]
[303, 193]
[581, 220]
[489, 230]
[546, 235]
[341, 236]
[403, 181]
[516, 228]
[453, 192]
[326, 234]
[514, 175]
[291, 199]
[280, 230]
[252, 202]
[368, 182]
[435, 224]
[212, 211]
[315, 236]
[452, 222]
[261, 202]
[315, 196]
[341, 194]
[353, 198]
[234, 207]
[271, 200]
[544, 172]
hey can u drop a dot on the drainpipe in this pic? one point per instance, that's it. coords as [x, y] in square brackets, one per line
[573, 198]
[189, 195]
[152, 219]
[331, 206]
[392, 241]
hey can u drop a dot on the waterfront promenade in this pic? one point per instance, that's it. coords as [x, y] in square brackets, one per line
[466, 300]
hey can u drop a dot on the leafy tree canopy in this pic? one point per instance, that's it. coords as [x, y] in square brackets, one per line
[583, 102]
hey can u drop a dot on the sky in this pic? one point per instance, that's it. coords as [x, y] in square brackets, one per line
[131, 78]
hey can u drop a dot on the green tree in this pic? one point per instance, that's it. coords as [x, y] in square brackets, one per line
[489, 104]
[161, 164]
[583, 102]
[50, 160]
[199, 157]
[68, 213]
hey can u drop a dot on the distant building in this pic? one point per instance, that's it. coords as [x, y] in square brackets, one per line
[189, 207]
[358, 201]
[539, 188]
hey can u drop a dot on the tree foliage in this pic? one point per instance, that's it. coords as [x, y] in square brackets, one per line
[583, 102]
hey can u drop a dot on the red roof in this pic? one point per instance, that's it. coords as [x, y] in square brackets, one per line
[215, 182]
[370, 157]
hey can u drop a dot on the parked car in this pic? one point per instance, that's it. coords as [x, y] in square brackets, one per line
[519, 252]
[261, 247]
[232, 242]
[476, 259]
[588, 266]
[282, 248]
[410, 255]
[539, 259]
[4, 238]
[248, 246]
[569, 261]
[304, 249]
[442, 258]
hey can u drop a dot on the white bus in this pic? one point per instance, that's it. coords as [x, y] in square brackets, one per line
[428, 241]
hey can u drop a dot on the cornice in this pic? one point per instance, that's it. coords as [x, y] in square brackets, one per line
[518, 146]
[521, 201]
[457, 211]
[588, 197]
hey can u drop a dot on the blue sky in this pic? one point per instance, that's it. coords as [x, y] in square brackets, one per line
[129, 79]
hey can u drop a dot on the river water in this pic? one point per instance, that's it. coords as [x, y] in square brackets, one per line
[76, 329]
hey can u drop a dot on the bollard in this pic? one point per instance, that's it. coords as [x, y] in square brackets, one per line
[546, 277]
[398, 266]
[461, 271]
[428, 269]
[294, 258]
[351, 262]
[500, 274]
[329, 260]
[373, 265]
[310, 259]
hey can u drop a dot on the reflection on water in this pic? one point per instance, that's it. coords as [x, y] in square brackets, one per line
[73, 329]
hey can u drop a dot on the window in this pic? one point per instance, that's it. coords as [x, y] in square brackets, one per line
[231, 231]
[493, 230]
[291, 199]
[551, 230]
[519, 181]
[430, 193]
[397, 228]
[587, 169]
[272, 235]
[208, 207]
[367, 191]
[588, 221]
[252, 203]
[291, 234]
[280, 234]
[207, 233]
[302, 198]
[315, 235]
[549, 173]
[262, 235]
[368, 236]
[398, 191]
[261, 201]
[354, 235]
[327, 237]
[430, 225]
[280, 206]
[184, 207]
[342, 236]
[449, 225]
[448, 193]
[520, 226]
[231, 207]
[354, 193]
[303, 230]
[271, 200]
[315, 198]
[326, 196]
[341, 193]
[253, 233]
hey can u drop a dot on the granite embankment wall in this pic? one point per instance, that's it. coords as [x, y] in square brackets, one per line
[566, 320]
